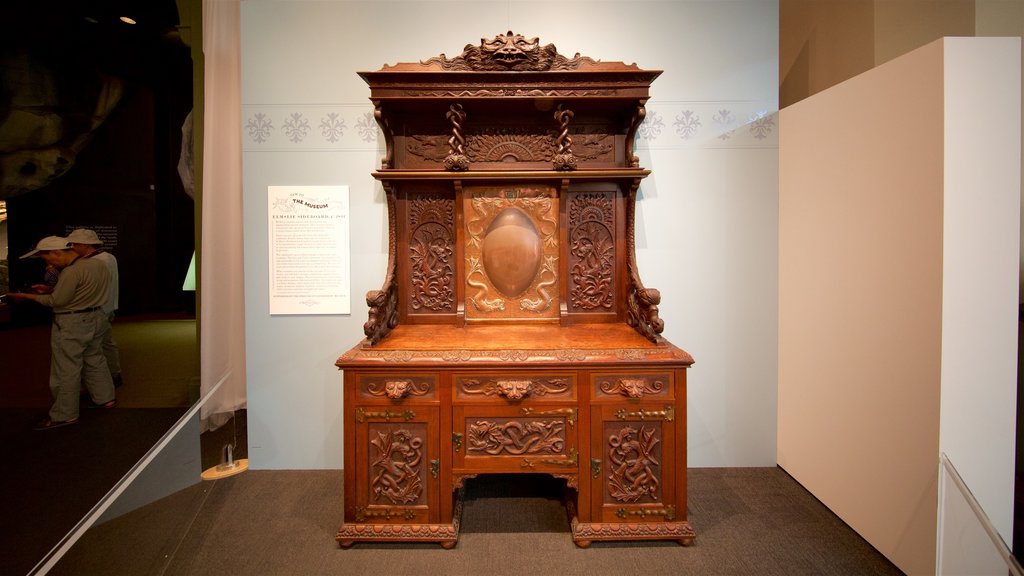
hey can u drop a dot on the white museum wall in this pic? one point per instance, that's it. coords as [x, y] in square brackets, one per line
[706, 219]
[981, 248]
[897, 291]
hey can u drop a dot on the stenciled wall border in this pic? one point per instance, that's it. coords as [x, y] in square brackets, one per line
[667, 125]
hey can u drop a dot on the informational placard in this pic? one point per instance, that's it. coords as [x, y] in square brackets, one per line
[308, 231]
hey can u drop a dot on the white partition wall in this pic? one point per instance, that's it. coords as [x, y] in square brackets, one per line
[898, 249]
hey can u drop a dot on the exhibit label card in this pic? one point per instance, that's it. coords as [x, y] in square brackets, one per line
[308, 228]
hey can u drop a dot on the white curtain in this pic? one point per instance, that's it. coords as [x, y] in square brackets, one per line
[222, 286]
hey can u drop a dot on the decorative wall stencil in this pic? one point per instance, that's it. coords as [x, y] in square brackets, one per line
[332, 127]
[296, 127]
[762, 125]
[652, 125]
[693, 124]
[686, 124]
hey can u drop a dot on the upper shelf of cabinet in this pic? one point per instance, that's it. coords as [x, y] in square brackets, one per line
[509, 104]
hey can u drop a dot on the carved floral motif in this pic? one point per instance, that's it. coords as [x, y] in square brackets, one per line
[634, 470]
[431, 246]
[516, 437]
[396, 466]
[592, 252]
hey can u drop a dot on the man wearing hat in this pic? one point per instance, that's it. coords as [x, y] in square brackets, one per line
[79, 326]
[85, 243]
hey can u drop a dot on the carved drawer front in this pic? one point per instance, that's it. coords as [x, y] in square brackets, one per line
[515, 439]
[397, 465]
[632, 463]
[638, 385]
[515, 387]
[397, 387]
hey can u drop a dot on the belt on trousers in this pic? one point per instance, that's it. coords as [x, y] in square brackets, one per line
[82, 311]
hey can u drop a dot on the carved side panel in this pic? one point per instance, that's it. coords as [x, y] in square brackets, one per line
[633, 462]
[397, 464]
[592, 252]
[431, 254]
[511, 253]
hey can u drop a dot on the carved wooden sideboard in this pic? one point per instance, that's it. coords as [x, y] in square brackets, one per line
[512, 333]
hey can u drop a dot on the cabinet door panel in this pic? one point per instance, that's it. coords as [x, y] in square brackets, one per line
[633, 447]
[397, 465]
[515, 439]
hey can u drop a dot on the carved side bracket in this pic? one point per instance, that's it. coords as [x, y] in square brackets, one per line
[641, 303]
[383, 303]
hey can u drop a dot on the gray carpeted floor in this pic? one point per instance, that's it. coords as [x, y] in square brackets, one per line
[748, 521]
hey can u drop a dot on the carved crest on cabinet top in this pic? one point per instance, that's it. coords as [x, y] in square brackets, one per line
[513, 145]
[509, 52]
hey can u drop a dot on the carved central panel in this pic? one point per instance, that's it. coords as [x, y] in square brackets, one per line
[515, 437]
[511, 253]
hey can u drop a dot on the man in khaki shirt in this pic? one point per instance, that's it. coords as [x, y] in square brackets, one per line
[79, 327]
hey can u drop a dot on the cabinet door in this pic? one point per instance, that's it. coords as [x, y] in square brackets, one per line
[397, 464]
[632, 462]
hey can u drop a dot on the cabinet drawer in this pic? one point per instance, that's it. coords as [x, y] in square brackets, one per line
[397, 386]
[513, 387]
[515, 439]
[637, 385]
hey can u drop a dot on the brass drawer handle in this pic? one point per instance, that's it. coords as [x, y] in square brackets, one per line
[569, 412]
[362, 415]
[668, 414]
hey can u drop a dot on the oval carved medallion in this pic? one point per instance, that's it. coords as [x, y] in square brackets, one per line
[512, 252]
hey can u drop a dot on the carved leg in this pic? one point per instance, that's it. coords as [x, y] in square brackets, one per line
[345, 544]
[582, 543]
[448, 544]
[685, 541]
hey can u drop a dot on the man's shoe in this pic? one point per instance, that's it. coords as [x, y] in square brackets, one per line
[104, 406]
[117, 380]
[49, 424]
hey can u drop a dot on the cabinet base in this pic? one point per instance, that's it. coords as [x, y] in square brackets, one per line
[584, 533]
[447, 535]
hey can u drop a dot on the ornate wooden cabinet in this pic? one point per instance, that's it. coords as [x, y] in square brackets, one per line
[512, 333]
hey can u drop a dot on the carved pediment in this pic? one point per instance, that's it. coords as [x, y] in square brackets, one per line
[509, 52]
